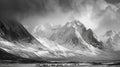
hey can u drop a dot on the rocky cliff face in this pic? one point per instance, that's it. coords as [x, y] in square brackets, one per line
[12, 30]
[13, 33]
[75, 33]
[69, 40]
[112, 40]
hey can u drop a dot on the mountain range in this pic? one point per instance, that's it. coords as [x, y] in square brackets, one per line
[52, 43]
[112, 40]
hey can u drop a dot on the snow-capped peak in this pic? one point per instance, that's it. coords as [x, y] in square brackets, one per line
[74, 23]
[110, 33]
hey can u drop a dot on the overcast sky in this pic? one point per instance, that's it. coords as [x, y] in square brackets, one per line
[25, 6]
[58, 11]
[113, 1]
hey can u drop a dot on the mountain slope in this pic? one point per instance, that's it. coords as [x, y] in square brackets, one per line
[112, 40]
[11, 30]
[15, 40]
[6, 57]
[73, 36]
[72, 41]
[72, 33]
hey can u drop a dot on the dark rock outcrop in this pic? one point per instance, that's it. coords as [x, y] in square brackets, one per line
[67, 34]
[89, 37]
[12, 30]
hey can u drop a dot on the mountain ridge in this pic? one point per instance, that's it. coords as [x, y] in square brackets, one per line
[70, 40]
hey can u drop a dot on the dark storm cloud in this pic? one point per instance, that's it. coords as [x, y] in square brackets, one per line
[13, 7]
[22, 6]
[32, 6]
[65, 4]
[41, 6]
[113, 1]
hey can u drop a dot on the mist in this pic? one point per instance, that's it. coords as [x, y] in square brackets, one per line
[99, 15]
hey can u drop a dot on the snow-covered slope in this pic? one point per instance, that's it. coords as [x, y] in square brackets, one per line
[59, 42]
[112, 40]
[73, 37]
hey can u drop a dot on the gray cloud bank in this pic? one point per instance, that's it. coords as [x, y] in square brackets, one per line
[24, 8]
[13, 7]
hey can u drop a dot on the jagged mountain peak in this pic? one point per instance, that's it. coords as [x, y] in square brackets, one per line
[63, 42]
[75, 32]
[110, 33]
[74, 23]
[112, 39]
